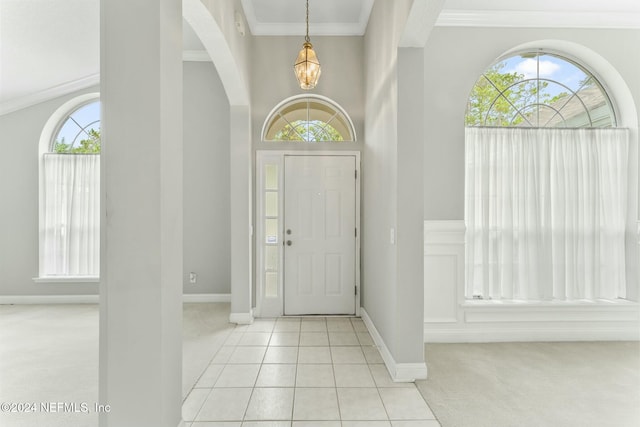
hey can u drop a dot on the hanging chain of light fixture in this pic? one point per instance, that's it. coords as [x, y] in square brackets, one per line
[306, 38]
[307, 66]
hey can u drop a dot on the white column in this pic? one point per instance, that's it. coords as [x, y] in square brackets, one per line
[141, 253]
[241, 176]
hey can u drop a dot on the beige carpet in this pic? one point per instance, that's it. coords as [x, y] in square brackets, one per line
[580, 384]
[49, 353]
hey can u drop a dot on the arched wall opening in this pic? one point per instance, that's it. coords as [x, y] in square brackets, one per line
[225, 48]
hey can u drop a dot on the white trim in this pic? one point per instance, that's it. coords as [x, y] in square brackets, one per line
[400, 372]
[316, 29]
[94, 299]
[201, 18]
[293, 99]
[202, 298]
[274, 307]
[444, 232]
[67, 279]
[444, 270]
[548, 313]
[241, 318]
[449, 317]
[451, 225]
[422, 18]
[49, 299]
[410, 372]
[48, 94]
[196, 56]
[537, 19]
[531, 333]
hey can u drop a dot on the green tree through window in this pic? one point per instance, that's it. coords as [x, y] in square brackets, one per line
[500, 98]
[308, 131]
[536, 89]
[308, 119]
[88, 145]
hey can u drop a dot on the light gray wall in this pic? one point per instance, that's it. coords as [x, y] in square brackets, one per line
[383, 294]
[454, 59]
[206, 180]
[206, 190]
[272, 78]
[20, 132]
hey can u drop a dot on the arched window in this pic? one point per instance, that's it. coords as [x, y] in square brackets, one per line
[545, 184]
[79, 132]
[536, 89]
[70, 191]
[308, 118]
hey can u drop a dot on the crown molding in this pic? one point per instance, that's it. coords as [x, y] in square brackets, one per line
[35, 98]
[534, 19]
[318, 29]
[48, 94]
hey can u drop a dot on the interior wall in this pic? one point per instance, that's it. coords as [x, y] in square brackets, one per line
[238, 56]
[379, 174]
[273, 79]
[20, 132]
[207, 215]
[454, 59]
[206, 190]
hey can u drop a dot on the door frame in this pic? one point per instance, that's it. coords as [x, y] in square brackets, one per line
[273, 305]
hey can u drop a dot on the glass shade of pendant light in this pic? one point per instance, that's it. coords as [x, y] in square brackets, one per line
[307, 66]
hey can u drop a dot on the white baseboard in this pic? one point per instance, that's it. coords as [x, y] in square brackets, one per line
[409, 372]
[400, 372]
[435, 334]
[241, 318]
[95, 299]
[49, 299]
[544, 321]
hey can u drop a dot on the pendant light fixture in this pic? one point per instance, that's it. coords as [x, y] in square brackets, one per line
[307, 66]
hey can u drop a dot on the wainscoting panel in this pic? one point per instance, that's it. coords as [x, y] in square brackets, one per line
[443, 270]
[448, 317]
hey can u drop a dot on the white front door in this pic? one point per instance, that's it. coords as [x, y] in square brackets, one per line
[319, 234]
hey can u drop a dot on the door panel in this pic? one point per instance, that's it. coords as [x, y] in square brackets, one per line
[319, 223]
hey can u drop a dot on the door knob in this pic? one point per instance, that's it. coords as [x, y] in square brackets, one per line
[289, 231]
[289, 242]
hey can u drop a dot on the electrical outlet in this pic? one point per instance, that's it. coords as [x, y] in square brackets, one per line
[193, 277]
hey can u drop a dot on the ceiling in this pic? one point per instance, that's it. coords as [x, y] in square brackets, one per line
[51, 47]
[326, 17]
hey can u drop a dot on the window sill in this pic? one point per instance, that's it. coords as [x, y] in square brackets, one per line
[548, 304]
[67, 279]
[551, 311]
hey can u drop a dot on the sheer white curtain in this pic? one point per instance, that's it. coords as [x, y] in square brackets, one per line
[71, 234]
[545, 211]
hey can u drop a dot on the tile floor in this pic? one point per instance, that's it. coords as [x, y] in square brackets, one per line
[302, 372]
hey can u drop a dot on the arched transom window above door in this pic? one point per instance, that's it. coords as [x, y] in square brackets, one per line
[308, 119]
[539, 89]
